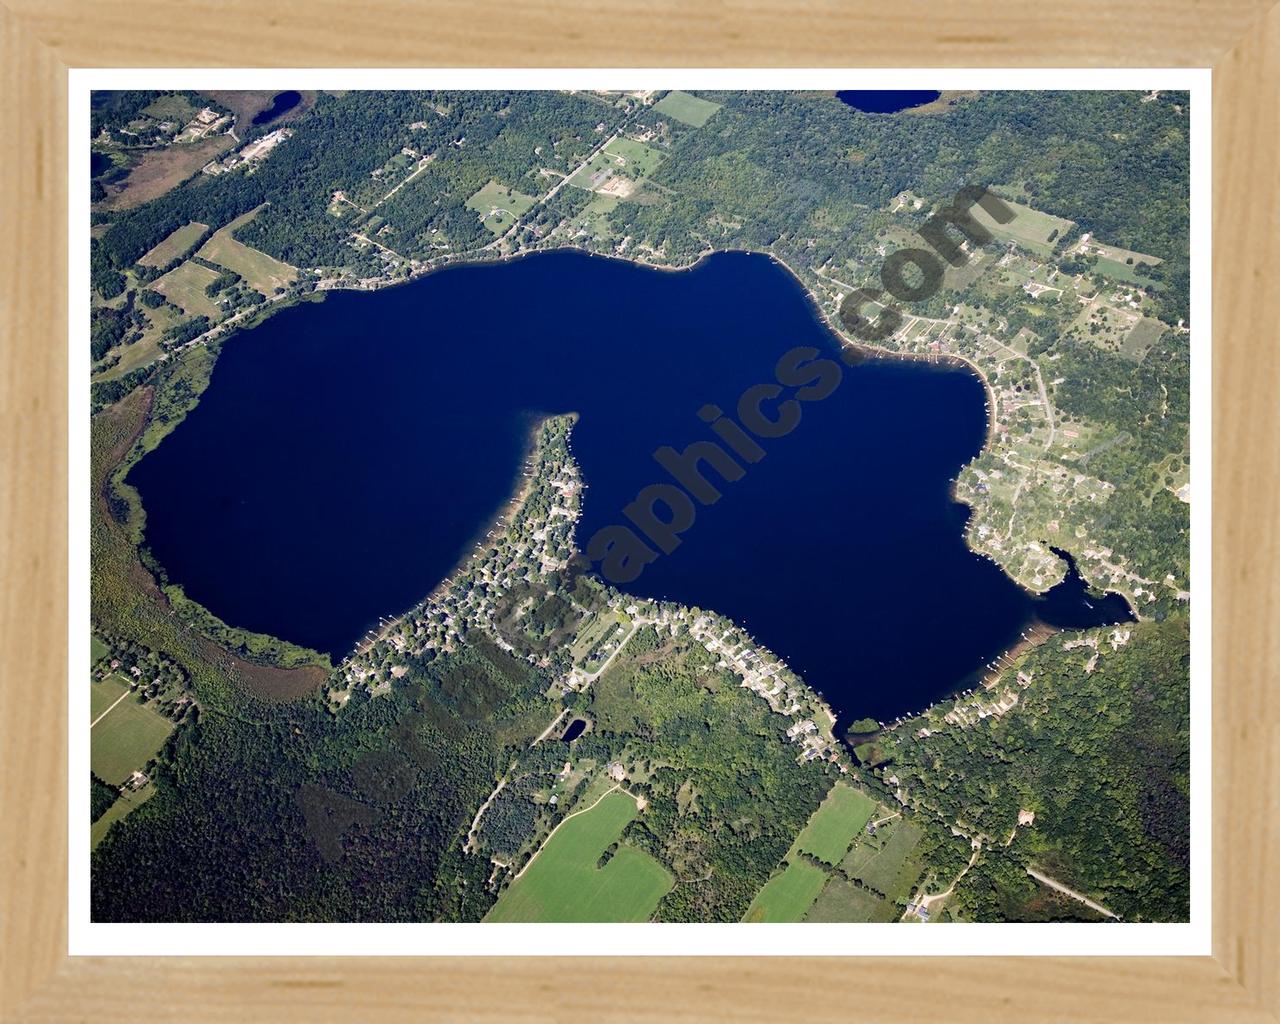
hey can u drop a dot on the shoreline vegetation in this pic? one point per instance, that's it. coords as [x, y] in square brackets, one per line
[950, 361]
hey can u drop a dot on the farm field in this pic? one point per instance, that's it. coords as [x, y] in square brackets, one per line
[185, 286]
[264, 273]
[787, 896]
[499, 207]
[686, 109]
[126, 736]
[562, 883]
[177, 245]
[841, 900]
[833, 826]
[1031, 228]
[887, 863]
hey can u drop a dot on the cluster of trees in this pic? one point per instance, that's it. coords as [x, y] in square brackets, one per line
[1102, 759]
[111, 327]
[289, 812]
[698, 731]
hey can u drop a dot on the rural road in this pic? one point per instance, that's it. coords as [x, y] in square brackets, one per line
[1053, 884]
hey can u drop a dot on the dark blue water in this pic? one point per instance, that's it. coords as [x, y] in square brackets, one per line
[574, 731]
[886, 101]
[346, 453]
[281, 103]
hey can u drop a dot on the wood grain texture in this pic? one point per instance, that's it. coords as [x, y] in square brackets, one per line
[1246, 549]
[39, 39]
[648, 33]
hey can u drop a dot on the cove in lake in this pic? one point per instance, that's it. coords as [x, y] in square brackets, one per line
[886, 101]
[347, 453]
[281, 103]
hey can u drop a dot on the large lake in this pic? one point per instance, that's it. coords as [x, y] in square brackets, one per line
[347, 453]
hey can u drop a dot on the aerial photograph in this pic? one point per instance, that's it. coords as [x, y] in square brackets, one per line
[639, 506]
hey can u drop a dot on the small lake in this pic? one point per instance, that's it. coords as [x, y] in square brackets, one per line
[347, 453]
[885, 101]
[576, 728]
[281, 103]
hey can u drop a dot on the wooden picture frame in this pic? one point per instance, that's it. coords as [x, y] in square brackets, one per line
[41, 39]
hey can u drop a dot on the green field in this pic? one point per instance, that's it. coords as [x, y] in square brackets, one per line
[686, 109]
[178, 244]
[562, 883]
[125, 803]
[1125, 272]
[841, 900]
[97, 649]
[126, 736]
[634, 159]
[841, 816]
[172, 108]
[499, 207]
[184, 286]
[264, 273]
[786, 896]
[887, 861]
[1029, 228]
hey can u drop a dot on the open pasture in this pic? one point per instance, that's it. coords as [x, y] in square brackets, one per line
[788, 894]
[563, 883]
[499, 207]
[264, 273]
[1031, 228]
[833, 826]
[185, 285]
[177, 245]
[125, 734]
[686, 109]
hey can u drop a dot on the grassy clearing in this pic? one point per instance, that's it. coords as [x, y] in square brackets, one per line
[634, 159]
[686, 109]
[887, 863]
[126, 736]
[840, 817]
[264, 273]
[1118, 271]
[499, 207]
[1030, 228]
[843, 901]
[1137, 343]
[185, 285]
[787, 896]
[615, 170]
[171, 108]
[563, 882]
[125, 804]
[97, 649]
[177, 245]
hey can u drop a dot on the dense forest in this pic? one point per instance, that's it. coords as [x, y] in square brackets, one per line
[1100, 755]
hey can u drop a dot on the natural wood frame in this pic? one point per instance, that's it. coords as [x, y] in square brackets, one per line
[40, 39]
